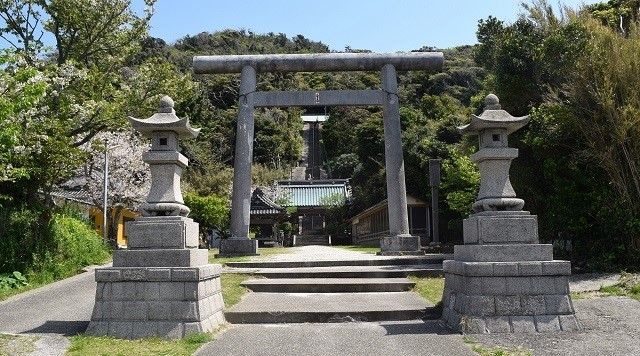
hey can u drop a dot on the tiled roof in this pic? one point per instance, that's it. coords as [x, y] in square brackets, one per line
[311, 193]
[261, 205]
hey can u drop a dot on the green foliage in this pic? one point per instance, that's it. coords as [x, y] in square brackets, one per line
[74, 245]
[15, 280]
[578, 162]
[209, 211]
[47, 251]
[277, 140]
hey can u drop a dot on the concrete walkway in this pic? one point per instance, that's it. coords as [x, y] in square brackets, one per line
[610, 325]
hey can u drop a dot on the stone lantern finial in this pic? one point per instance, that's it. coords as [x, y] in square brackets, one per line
[491, 102]
[166, 105]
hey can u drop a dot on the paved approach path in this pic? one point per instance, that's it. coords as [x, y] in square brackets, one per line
[611, 325]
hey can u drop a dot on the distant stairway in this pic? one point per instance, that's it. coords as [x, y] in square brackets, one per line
[334, 291]
[308, 240]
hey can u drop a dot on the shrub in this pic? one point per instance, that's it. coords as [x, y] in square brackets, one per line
[73, 245]
[45, 245]
[14, 280]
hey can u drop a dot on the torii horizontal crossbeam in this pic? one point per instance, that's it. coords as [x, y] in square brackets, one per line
[319, 98]
[318, 62]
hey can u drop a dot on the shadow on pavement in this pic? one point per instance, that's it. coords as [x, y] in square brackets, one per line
[434, 327]
[64, 328]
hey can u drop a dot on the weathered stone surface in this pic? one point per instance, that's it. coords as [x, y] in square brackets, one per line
[547, 323]
[395, 245]
[318, 62]
[162, 233]
[238, 247]
[501, 229]
[522, 324]
[165, 308]
[161, 258]
[498, 324]
[568, 323]
[503, 253]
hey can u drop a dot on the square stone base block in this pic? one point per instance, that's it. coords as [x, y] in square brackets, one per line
[188, 257]
[508, 297]
[238, 247]
[400, 245]
[514, 228]
[167, 302]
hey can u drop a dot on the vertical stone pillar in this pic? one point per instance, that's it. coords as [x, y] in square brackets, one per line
[399, 241]
[162, 284]
[239, 243]
[502, 280]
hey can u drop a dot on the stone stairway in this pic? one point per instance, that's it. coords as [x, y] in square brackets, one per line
[374, 289]
[308, 240]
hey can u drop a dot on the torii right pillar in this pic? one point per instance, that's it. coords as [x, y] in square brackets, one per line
[502, 280]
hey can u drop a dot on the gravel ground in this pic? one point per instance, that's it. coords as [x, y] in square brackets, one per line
[610, 326]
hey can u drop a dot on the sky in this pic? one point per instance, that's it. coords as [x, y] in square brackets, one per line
[384, 26]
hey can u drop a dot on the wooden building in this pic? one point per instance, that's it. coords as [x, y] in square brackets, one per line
[370, 225]
[266, 218]
[311, 198]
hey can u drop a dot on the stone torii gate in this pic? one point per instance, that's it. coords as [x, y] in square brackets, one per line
[399, 240]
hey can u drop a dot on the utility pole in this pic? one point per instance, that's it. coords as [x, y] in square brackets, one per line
[105, 190]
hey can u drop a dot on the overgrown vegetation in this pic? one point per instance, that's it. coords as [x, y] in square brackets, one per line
[628, 286]
[37, 249]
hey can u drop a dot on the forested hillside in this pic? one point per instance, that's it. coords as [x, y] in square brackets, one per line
[576, 73]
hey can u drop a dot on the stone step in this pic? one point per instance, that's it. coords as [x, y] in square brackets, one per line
[271, 308]
[425, 270]
[394, 261]
[329, 285]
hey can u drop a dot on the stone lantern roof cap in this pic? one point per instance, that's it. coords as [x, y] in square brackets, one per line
[493, 117]
[164, 120]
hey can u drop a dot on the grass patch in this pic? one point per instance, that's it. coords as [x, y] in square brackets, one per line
[102, 345]
[629, 286]
[232, 291]
[358, 248]
[17, 345]
[8, 293]
[430, 289]
[494, 351]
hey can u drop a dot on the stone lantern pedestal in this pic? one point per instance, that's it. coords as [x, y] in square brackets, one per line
[162, 284]
[502, 280]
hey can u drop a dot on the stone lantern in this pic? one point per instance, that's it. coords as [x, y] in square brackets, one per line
[499, 217]
[162, 284]
[502, 280]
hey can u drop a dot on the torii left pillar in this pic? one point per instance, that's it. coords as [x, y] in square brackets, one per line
[239, 243]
